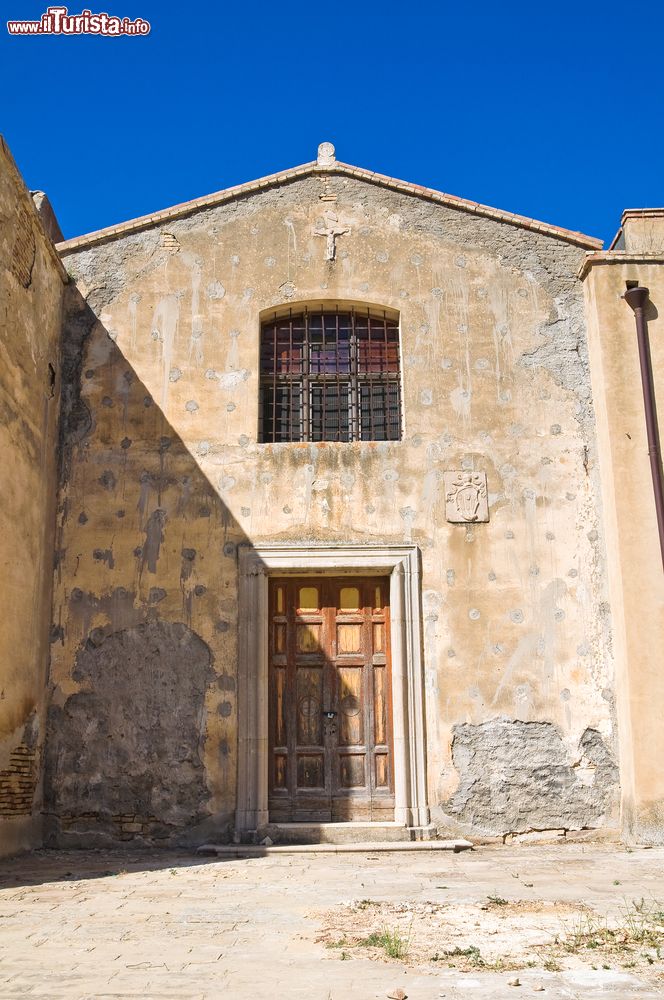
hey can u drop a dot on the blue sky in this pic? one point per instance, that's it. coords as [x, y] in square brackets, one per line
[552, 110]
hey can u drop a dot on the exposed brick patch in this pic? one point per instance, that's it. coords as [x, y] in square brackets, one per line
[121, 826]
[18, 782]
[23, 251]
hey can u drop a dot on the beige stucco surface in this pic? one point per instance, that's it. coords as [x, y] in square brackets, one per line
[162, 459]
[31, 286]
[635, 563]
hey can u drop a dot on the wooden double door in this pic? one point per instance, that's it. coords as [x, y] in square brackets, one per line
[330, 700]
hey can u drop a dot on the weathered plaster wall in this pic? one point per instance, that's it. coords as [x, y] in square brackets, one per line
[635, 563]
[162, 460]
[134, 730]
[31, 286]
[140, 742]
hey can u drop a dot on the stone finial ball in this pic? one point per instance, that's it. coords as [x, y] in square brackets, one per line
[326, 154]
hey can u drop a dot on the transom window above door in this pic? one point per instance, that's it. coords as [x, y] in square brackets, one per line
[330, 375]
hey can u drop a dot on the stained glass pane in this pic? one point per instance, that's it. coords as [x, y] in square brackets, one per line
[349, 599]
[308, 599]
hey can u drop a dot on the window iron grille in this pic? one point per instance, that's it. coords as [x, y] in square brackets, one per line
[330, 376]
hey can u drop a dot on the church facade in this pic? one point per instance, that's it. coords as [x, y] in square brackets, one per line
[340, 478]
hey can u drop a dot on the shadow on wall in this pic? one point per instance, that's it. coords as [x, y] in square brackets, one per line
[141, 742]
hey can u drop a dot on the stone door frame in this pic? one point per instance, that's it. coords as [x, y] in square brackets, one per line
[402, 564]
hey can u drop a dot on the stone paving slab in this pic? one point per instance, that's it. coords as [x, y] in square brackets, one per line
[102, 924]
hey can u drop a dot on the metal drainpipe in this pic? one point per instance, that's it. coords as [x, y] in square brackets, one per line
[636, 299]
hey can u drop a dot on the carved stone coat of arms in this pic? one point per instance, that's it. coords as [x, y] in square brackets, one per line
[466, 498]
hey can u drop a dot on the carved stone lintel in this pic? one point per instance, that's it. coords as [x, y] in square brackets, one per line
[466, 497]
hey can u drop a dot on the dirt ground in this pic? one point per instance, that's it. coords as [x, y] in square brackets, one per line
[502, 935]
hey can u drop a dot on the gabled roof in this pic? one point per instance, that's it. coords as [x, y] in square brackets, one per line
[325, 165]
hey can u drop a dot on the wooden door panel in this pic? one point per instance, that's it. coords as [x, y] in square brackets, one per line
[382, 771]
[308, 637]
[352, 771]
[330, 728]
[311, 771]
[380, 704]
[349, 638]
[280, 771]
[309, 706]
[279, 706]
[280, 638]
[351, 707]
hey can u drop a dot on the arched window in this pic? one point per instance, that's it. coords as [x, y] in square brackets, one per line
[330, 375]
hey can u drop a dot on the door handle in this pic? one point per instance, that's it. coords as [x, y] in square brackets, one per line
[328, 714]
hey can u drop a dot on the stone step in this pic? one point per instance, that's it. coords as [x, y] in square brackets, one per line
[352, 832]
[380, 847]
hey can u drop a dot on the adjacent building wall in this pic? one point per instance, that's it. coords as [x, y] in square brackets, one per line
[31, 288]
[162, 477]
[635, 560]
